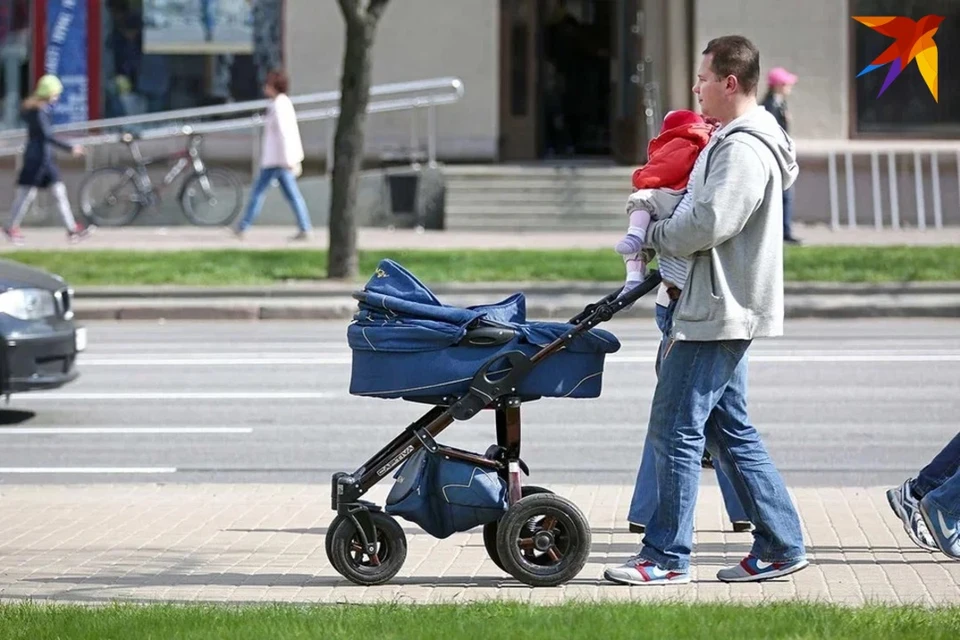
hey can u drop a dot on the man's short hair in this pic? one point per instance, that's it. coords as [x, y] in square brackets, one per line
[736, 56]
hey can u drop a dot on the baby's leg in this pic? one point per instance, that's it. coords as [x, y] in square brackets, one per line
[636, 234]
[635, 272]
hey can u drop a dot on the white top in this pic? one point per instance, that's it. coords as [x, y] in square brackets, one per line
[282, 146]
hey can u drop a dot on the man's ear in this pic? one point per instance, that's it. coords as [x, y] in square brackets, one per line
[731, 84]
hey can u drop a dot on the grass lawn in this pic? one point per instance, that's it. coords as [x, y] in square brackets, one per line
[251, 267]
[486, 620]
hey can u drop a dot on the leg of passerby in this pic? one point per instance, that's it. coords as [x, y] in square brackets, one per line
[738, 516]
[75, 232]
[905, 498]
[941, 511]
[691, 381]
[288, 184]
[644, 499]
[778, 548]
[21, 204]
[258, 193]
[788, 236]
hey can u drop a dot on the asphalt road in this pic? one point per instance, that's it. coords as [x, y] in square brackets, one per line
[838, 403]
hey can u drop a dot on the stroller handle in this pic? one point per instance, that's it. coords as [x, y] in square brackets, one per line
[610, 304]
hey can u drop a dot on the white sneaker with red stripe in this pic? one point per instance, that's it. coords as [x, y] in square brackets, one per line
[752, 569]
[638, 571]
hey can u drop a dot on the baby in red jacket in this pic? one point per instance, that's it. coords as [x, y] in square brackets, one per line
[660, 184]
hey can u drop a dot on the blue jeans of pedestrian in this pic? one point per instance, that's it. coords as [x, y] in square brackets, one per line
[788, 213]
[288, 184]
[701, 401]
[942, 470]
[645, 492]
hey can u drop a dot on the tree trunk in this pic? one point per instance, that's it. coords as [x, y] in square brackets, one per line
[348, 143]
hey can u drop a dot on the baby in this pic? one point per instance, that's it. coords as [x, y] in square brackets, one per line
[660, 184]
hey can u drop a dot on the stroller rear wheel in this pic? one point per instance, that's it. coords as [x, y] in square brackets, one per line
[347, 555]
[490, 529]
[543, 540]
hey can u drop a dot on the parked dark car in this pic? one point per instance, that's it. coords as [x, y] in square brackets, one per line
[39, 340]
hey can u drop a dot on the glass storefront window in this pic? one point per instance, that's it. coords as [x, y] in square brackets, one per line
[161, 55]
[14, 58]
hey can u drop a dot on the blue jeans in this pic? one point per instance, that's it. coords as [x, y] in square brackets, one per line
[942, 471]
[787, 213]
[288, 183]
[645, 489]
[701, 401]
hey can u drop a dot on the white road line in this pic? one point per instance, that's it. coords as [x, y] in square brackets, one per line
[117, 470]
[784, 357]
[66, 431]
[179, 395]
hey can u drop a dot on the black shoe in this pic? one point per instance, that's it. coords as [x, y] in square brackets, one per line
[706, 462]
[792, 240]
[637, 528]
[742, 526]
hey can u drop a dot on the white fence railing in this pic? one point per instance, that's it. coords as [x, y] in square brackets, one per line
[417, 96]
[897, 159]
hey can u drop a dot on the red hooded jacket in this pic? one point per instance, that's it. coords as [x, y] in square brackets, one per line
[670, 157]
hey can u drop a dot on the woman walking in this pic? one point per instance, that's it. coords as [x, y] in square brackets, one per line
[281, 158]
[40, 169]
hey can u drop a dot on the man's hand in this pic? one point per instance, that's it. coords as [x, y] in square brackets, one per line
[78, 151]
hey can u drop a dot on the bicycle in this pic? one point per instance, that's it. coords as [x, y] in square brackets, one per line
[114, 196]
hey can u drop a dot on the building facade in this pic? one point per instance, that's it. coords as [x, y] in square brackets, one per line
[543, 78]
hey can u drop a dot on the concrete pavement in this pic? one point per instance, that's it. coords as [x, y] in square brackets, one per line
[265, 543]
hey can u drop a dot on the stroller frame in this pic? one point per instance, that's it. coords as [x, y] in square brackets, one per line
[370, 525]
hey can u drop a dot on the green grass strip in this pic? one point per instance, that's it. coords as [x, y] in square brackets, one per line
[252, 267]
[609, 621]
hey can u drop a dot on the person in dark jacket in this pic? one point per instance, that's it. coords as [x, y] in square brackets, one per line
[780, 82]
[40, 169]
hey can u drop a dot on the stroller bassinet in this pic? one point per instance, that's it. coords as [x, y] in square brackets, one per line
[407, 344]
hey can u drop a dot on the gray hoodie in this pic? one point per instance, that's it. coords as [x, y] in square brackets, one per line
[734, 290]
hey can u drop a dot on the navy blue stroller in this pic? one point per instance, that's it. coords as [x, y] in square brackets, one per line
[407, 344]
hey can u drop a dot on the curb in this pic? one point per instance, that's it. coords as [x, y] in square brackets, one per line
[328, 289]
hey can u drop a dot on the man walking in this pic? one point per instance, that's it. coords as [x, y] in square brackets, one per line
[733, 294]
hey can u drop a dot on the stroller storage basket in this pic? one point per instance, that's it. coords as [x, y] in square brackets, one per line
[444, 495]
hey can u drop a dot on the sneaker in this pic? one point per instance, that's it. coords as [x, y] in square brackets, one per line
[636, 528]
[14, 236]
[302, 235]
[944, 527]
[80, 232]
[907, 508]
[638, 571]
[752, 569]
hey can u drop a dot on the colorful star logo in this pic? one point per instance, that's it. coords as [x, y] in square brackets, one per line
[914, 40]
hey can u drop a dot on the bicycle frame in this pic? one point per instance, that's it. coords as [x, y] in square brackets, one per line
[188, 156]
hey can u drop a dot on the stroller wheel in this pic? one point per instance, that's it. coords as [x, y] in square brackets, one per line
[348, 557]
[490, 529]
[328, 539]
[549, 551]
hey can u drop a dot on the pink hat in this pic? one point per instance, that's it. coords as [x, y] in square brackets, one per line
[779, 75]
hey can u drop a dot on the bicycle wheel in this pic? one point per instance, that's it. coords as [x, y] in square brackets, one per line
[212, 199]
[110, 197]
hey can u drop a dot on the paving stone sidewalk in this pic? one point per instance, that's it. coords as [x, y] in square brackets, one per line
[265, 543]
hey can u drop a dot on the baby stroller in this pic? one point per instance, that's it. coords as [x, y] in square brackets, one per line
[408, 345]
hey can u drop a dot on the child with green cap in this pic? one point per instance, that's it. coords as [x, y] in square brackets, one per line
[40, 169]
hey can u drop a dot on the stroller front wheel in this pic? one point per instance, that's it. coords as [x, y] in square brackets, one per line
[543, 540]
[490, 529]
[348, 556]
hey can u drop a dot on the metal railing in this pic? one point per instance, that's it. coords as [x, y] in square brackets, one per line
[402, 96]
[917, 153]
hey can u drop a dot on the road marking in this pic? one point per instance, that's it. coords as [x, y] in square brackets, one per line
[784, 357]
[67, 431]
[180, 395]
[142, 470]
